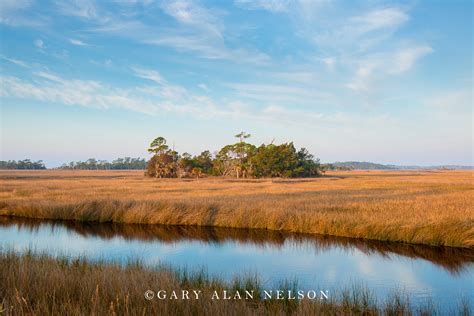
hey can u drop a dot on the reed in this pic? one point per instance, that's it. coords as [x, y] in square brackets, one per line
[419, 207]
[36, 284]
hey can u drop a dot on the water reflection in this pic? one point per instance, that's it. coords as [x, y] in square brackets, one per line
[454, 260]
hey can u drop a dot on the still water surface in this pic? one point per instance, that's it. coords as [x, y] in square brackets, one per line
[443, 275]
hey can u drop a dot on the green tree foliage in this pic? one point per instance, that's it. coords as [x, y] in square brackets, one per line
[204, 161]
[22, 164]
[284, 161]
[158, 146]
[236, 160]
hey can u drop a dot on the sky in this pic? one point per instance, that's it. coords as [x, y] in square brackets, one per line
[382, 81]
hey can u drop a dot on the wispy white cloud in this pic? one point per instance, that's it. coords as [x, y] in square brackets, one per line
[451, 101]
[152, 75]
[385, 18]
[269, 5]
[364, 77]
[73, 92]
[197, 31]
[10, 13]
[152, 100]
[361, 32]
[376, 67]
[48, 75]
[304, 9]
[295, 76]
[79, 8]
[280, 94]
[157, 99]
[203, 86]
[17, 62]
[12, 5]
[403, 60]
[190, 13]
[77, 42]
[39, 43]
[330, 62]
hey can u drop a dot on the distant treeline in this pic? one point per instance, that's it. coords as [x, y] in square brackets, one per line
[240, 160]
[22, 164]
[126, 163]
[335, 166]
[363, 165]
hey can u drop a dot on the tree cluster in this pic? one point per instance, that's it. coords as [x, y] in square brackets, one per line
[332, 167]
[240, 160]
[126, 163]
[22, 164]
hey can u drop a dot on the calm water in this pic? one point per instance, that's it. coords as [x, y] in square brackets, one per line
[444, 275]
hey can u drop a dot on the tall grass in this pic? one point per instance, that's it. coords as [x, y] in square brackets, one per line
[35, 284]
[433, 208]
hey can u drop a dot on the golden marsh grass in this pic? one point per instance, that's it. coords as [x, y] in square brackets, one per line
[424, 207]
[36, 284]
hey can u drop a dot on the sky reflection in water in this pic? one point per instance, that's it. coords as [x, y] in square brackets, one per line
[444, 275]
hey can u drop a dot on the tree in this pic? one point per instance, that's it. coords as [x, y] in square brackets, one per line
[241, 148]
[284, 161]
[242, 136]
[238, 160]
[158, 146]
[204, 161]
[275, 160]
[22, 164]
[164, 163]
[233, 160]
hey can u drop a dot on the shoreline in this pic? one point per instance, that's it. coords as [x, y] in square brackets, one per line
[259, 229]
[420, 208]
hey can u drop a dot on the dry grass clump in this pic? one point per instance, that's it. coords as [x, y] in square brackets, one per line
[42, 285]
[424, 207]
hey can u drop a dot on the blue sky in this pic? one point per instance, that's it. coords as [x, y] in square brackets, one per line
[383, 81]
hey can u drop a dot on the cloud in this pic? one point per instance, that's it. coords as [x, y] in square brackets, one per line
[386, 18]
[189, 13]
[304, 9]
[452, 101]
[17, 62]
[39, 43]
[86, 9]
[198, 30]
[376, 67]
[203, 86]
[152, 75]
[157, 99]
[280, 94]
[330, 62]
[73, 92]
[77, 42]
[361, 32]
[404, 60]
[269, 5]
[364, 78]
[12, 5]
[107, 63]
[9, 10]
[48, 75]
[294, 76]
[52, 88]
